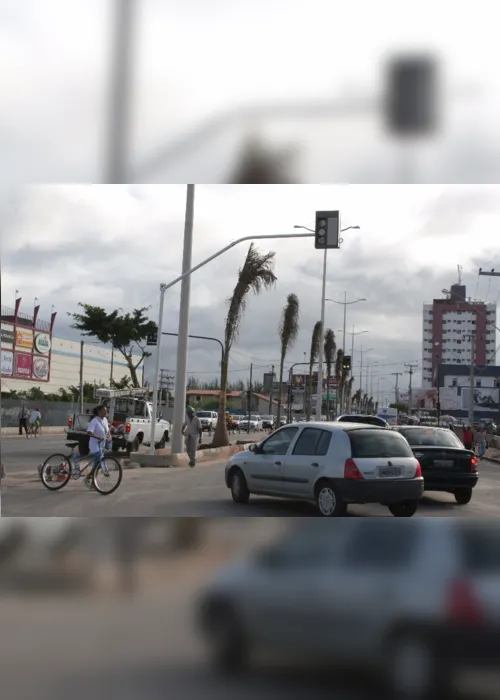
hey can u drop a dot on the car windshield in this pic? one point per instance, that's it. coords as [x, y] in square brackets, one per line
[254, 418]
[204, 414]
[431, 437]
[368, 444]
[267, 417]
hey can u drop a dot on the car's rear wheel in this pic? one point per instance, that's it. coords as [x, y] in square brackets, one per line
[239, 487]
[463, 496]
[405, 509]
[329, 501]
[228, 648]
[413, 670]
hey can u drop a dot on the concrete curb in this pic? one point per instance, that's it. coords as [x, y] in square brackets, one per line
[164, 458]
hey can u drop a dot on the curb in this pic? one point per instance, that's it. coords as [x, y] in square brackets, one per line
[164, 458]
[15, 433]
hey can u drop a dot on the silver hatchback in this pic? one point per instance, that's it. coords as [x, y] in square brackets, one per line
[331, 465]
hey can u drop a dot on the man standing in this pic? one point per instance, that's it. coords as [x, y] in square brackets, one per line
[23, 420]
[192, 431]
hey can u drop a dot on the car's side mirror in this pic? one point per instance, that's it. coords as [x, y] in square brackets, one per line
[252, 447]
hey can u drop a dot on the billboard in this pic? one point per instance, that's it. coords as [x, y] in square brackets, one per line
[24, 339]
[41, 368]
[427, 399]
[7, 363]
[42, 343]
[7, 336]
[22, 365]
[485, 399]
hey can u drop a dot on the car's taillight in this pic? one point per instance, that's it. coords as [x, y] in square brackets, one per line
[473, 465]
[70, 422]
[351, 471]
[463, 605]
[418, 473]
[128, 428]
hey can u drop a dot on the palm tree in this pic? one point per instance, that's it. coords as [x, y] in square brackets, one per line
[313, 356]
[356, 399]
[329, 349]
[258, 165]
[348, 399]
[288, 331]
[339, 361]
[256, 274]
[344, 380]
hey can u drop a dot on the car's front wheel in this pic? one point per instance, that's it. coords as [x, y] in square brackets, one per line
[405, 509]
[329, 501]
[238, 486]
[227, 646]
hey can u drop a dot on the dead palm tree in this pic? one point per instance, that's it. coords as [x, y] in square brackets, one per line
[313, 356]
[329, 349]
[255, 275]
[339, 361]
[348, 393]
[289, 328]
[257, 165]
[356, 399]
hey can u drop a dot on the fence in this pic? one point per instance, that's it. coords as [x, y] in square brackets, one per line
[53, 412]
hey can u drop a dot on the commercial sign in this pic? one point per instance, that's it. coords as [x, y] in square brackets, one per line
[22, 365]
[24, 339]
[427, 399]
[485, 399]
[41, 368]
[7, 336]
[7, 363]
[42, 343]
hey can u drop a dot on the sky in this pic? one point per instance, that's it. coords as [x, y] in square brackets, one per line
[113, 245]
[193, 61]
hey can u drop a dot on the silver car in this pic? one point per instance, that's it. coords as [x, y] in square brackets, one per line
[332, 465]
[417, 600]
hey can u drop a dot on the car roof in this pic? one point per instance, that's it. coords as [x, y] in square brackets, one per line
[344, 426]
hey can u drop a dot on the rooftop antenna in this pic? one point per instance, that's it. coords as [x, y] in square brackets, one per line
[459, 268]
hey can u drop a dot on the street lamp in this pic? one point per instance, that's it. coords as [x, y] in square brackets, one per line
[345, 304]
[323, 292]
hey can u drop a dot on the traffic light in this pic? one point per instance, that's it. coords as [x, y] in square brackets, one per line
[411, 96]
[152, 337]
[346, 364]
[327, 231]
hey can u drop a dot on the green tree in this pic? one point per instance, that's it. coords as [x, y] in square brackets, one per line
[288, 331]
[256, 275]
[402, 407]
[329, 349]
[126, 333]
[313, 356]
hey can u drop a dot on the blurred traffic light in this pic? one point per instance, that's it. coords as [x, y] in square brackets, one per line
[327, 230]
[346, 363]
[412, 96]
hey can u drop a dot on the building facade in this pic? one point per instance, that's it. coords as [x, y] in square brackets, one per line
[457, 329]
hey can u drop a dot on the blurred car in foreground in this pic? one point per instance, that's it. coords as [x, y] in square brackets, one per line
[366, 420]
[331, 465]
[446, 464]
[417, 602]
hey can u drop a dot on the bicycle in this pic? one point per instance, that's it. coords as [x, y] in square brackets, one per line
[66, 467]
[34, 430]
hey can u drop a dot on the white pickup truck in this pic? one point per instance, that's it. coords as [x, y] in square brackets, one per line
[129, 417]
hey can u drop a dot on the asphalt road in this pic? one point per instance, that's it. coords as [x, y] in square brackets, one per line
[201, 492]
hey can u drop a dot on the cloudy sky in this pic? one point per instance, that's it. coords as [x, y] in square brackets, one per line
[193, 61]
[114, 245]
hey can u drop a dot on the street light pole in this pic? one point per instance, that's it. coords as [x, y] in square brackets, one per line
[319, 398]
[163, 288]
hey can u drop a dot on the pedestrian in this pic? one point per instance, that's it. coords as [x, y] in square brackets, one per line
[98, 431]
[468, 438]
[481, 442]
[192, 431]
[23, 420]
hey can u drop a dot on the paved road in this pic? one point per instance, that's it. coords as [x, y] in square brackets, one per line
[20, 454]
[201, 492]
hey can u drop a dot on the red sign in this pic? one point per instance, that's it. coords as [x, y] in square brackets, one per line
[22, 365]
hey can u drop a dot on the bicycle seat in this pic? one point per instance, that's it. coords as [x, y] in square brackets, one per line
[72, 444]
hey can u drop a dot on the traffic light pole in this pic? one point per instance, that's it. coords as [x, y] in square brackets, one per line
[163, 288]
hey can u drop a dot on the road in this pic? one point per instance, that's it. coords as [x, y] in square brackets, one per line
[22, 455]
[201, 492]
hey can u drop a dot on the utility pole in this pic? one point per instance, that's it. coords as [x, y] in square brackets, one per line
[471, 379]
[249, 397]
[411, 369]
[396, 390]
[491, 273]
[271, 392]
[82, 343]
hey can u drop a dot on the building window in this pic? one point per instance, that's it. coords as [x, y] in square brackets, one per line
[454, 382]
[478, 383]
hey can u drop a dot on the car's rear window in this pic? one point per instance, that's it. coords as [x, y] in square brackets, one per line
[367, 420]
[204, 414]
[480, 545]
[378, 443]
[431, 437]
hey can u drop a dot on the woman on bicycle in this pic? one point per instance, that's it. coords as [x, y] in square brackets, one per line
[98, 431]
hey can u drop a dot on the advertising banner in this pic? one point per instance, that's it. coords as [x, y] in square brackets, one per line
[427, 399]
[24, 339]
[486, 399]
[41, 368]
[42, 343]
[7, 363]
[22, 365]
[7, 336]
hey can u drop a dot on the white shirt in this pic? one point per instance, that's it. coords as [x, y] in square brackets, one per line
[35, 415]
[100, 427]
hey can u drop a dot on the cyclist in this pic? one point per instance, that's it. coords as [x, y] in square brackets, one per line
[35, 421]
[98, 431]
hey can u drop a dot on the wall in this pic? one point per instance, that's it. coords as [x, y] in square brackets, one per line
[53, 412]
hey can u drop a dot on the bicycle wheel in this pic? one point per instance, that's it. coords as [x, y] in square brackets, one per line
[55, 472]
[108, 476]
[36, 430]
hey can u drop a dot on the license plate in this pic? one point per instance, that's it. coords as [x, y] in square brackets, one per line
[390, 471]
[446, 463]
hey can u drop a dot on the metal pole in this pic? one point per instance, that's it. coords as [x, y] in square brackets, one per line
[471, 380]
[319, 398]
[345, 315]
[111, 371]
[81, 375]
[182, 344]
[249, 397]
[157, 371]
[271, 392]
[361, 374]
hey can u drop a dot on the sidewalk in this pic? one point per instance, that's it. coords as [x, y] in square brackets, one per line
[493, 454]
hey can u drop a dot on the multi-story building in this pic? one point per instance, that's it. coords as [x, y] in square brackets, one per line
[457, 329]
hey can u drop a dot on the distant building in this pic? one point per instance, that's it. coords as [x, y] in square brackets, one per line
[447, 327]
[237, 400]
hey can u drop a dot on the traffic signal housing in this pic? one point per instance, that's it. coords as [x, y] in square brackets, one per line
[327, 230]
[152, 338]
[411, 101]
[346, 364]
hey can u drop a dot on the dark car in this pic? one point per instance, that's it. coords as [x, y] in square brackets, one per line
[359, 418]
[446, 464]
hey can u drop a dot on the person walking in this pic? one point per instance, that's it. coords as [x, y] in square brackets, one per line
[192, 431]
[481, 442]
[23, 420]
[98, 431]
[468, 438]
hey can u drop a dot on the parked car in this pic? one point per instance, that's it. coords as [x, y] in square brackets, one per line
[268, 422]
[331, 465]
[366, 420]
[208, 420]
[283, 421]
[368, 594]
[255, 424]
[446, 464]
